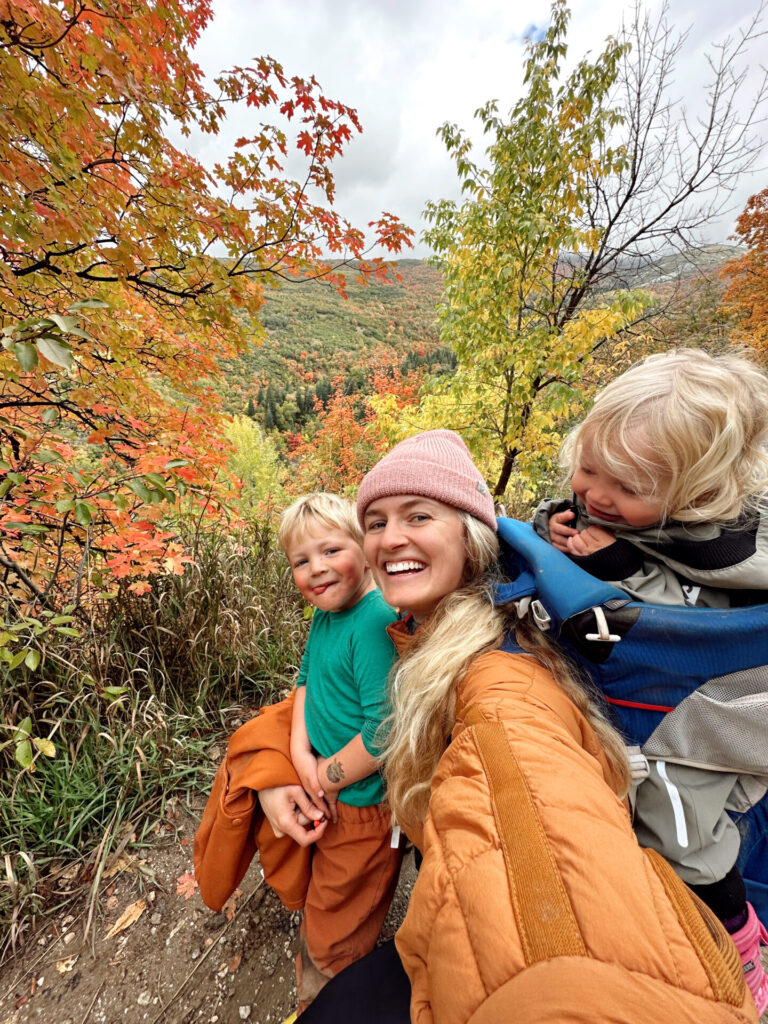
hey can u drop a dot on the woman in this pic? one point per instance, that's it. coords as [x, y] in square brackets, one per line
[534, 901]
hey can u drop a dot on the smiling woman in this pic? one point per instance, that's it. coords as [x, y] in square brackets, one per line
[534, 901]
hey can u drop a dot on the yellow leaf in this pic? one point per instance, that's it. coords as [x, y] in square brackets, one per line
[129, 916]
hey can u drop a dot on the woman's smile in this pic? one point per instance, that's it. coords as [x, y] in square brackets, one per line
[416, 549]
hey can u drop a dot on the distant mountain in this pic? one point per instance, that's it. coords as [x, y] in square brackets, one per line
[312, 336]
[646, 272]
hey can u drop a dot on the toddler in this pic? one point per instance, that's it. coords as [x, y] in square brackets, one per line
[341, 699]
[669, 473]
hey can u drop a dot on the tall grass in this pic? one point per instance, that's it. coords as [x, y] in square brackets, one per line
[132, 706]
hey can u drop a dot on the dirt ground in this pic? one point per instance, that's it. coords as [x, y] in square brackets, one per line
[174, 961]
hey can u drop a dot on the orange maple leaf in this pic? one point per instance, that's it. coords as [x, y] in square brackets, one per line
[186, 884]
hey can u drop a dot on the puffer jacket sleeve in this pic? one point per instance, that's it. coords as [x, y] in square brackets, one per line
[233, 827]
[534, 901]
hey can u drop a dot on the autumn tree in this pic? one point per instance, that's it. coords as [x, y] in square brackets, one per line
[590, 173]
[746, 296]
[128, 269]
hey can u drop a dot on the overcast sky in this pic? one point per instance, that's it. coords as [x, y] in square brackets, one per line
[409, 65]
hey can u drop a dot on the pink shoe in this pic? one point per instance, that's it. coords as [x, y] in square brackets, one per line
[748, 940]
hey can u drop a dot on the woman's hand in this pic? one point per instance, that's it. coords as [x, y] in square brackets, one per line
[290, 812]
[307, 768]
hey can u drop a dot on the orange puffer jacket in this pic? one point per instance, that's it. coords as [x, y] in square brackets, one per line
[534, 902]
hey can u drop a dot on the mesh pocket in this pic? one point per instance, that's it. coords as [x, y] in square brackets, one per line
[723, 725]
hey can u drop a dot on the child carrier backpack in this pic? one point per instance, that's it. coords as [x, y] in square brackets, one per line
[686, 685]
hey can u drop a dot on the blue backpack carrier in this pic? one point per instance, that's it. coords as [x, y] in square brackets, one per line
[687, 685]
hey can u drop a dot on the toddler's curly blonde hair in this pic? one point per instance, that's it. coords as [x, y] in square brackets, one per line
[686, 427]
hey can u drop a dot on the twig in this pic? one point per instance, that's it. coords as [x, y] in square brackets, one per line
[208, 951]
[96, 996]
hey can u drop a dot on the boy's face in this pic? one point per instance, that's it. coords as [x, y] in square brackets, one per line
[329, 567]
[607, 497]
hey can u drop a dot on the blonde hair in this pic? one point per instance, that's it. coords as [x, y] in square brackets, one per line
[684, 427]
[423, 684]
[331, 510]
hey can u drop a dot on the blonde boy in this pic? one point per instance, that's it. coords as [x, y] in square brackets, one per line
[340, 701]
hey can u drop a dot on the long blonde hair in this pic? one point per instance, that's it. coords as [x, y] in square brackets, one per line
[423, 686]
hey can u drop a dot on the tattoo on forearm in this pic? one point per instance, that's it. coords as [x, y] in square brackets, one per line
[334, 771]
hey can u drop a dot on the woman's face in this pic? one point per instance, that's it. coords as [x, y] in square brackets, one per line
[415, 547]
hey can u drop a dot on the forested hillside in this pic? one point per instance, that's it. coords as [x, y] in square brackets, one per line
[313, 340]
[312, 336]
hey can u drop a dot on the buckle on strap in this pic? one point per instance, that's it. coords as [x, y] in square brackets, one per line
[639, 768]
[603, 633]
[541, 616]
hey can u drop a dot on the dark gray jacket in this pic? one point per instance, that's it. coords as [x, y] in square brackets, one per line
[699, 564]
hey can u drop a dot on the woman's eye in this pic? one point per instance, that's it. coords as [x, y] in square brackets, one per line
[376, 524]
[419, 517]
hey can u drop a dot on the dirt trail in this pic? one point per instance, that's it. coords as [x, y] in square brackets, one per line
[177, 963]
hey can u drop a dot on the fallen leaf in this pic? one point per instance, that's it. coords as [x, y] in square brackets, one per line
[186, 884]
[121, 863]
[112, 902]
[230, 907]
[110, 889]
[129, 916]
[184, 842]
[234, 963]
[62, 966]
[22, 1002]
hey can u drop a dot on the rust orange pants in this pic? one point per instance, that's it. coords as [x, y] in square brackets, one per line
[353, 878]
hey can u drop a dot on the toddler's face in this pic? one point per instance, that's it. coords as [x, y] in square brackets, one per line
[607, 497]
[329, 567]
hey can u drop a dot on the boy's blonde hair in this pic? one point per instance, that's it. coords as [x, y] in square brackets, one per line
[331, 510]
[684, 427]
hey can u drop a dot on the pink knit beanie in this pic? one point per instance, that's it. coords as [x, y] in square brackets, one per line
[436, 464]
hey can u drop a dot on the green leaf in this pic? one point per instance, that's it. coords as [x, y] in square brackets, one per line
[65, 505]
[24, 753]
[44, 746]
[50, 416]
[32, 660]
[4, 466]
[83, 513]
[23, 730]
[57, 352]
[45, 455]
[89, 304]
[16, 660]
[57, 620]
[156, 479]
[26, 355]
[176, 463]
[113, 693]
[140, 489]
[64, 323]
[32, 528]
[67, 631]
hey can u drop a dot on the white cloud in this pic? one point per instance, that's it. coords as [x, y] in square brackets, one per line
[409, 65]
